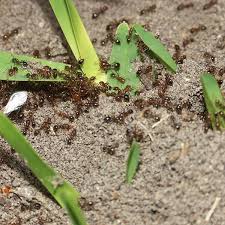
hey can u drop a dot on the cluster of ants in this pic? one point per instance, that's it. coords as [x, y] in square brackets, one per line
[84, 93]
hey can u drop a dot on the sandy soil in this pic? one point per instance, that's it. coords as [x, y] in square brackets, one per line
[182, 170]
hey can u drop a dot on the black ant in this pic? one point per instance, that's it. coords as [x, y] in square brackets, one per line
[10, 34]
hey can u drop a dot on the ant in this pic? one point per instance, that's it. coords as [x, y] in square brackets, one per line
[187, 41]
[36, 53]
[100, 11]
[86, 204]
[109, 37]
[177, 55]
[150, 9]
[175, 124]
[28, 122]
[46, 125]
[114, 24]
[47, 52]
[118, 78]
[183, 6]
[13, 71]
[122, 116]
[129, 36]
[200, 27]
[94, 40]
[134, 133]
[71, 136]
[210, 4]
[104, 65]
[65, 115]
[207, 55]
[10, 34]
[110, 149]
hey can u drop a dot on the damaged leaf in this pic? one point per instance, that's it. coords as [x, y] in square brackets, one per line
[124, 52]
[156, 47]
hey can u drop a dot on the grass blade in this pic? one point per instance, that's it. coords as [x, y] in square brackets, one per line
[77, 37]
[214, 101]
[156, 47]
[6, 64]
[61, 190]
[123, 53]
[133, 161]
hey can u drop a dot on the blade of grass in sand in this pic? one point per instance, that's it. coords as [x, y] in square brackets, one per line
[156, 47]
[133, 161]
[61, 190]
[214, 101]
[77, 37]
[124, 52]
[7, 63]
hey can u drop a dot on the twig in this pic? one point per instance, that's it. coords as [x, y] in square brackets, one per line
[163, 119]
[211, 211]
[145, 128]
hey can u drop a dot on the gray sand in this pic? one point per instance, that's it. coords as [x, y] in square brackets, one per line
[181, 172]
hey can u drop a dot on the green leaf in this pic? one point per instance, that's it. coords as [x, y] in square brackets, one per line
[133, 161]
[77, 37]
[214, 101]
[6, 63]
[156, 47]
[124, 53]
[61, 190]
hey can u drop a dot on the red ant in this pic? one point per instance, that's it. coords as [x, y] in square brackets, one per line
[185, 6]
[10, 34]
[149, 9]
[100, 11]
[210, 4]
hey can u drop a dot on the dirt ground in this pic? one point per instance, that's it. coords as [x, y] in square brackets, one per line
[182, 170]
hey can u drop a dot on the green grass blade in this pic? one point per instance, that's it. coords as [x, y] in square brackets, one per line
[61, 190]
[6, 64]
[214, 101]
[156, 47]
[77, 37]
[124, 54]
[133, 161]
